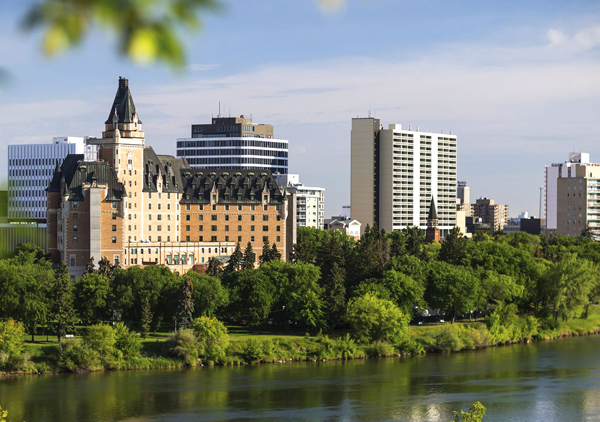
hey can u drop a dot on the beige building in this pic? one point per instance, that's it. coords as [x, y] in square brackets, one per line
[578, 200]
[396, 172]
[492, 214]
[135, 207]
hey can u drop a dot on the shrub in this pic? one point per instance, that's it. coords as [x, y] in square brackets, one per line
[102, 339]
[127, 342]
[373, 319]
[479, 337]
[184, 344]
[213, 339]
[379, 348]
[253, 350]
[410, 347]
[77, 357]
[448, 340]
[11, 337]
[532, 327]
[347, 347]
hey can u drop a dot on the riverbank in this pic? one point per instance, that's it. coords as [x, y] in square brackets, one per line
[249, 349]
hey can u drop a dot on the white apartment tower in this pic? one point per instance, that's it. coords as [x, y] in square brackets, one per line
[310, 200]
[395, 172]
[30, 169]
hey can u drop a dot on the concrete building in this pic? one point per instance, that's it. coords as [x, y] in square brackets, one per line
[396, 172]
[234, 143]
[345, 225]
[139, 208]
[30, 169]
[490, 213]
[310, 200]
[463, 199]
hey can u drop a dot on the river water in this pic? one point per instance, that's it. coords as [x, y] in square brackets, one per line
[555, 381]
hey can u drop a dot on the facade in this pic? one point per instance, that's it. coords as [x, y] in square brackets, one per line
[310, 201]
[234, 143]
[30, 169]
[396, 172]
[345, 225]
[463, 199]
[553, 173]
[490, 213]
[135, 207]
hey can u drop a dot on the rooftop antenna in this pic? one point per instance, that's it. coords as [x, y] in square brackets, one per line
[540, 213]
[219, 109]
[229, 109]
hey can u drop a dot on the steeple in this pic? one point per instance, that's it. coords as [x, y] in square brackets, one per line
[432, 233]
[123, 105]
[123, 118]
[432, 216]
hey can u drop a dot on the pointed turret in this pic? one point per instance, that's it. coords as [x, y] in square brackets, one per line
[432, 234]
[123, 105]
[432, 211]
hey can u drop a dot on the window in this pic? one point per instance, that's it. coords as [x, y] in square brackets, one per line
[187, 238]
[265, 228]
[75, 216]
[278, 238]
[239, 218]
[168, 228]
[239, 228]
[114, 227]
[240, 239]
[226, 207]
[188, 207]
[213, 228]
[75, 205]
[116, 259]
[265, 217]
[265, 238]
[201, 207]
[278, 228]
[160, 238]
[201, 217]
[200, 238]
[74, 239]
[169, 259]
[265, 208]
[176, 259]
[159, 217]
[158, 206]
[213, 238]
[226, 238]
[213, 217]
[129, 227]
[72, 260]
[183, 259]
[226, 228]
[74, 227]
[214, 207]
[114, 216]
[226, 218]
[252, 218]
[149, 228]
[251, 238]
[159, 228]
[251, 228]
[113, 205]
[149, 205]
[239, 207]
[201, 228]
[168, 206]
[114, 239]
[252, 207]
[187, 217]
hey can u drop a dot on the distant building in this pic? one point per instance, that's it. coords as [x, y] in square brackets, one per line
[463, 199]
[432, 233]
[573, 196]
[30, 169]
[310, 201]
[234, 143]
[396, 172]
[344, 224]
[490, 213]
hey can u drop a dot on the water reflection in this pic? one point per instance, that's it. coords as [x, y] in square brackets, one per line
[550, 382]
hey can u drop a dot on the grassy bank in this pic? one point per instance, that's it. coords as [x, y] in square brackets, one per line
[42, 356]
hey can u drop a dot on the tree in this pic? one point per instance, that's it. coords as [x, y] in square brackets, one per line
[235, 260]
[588, 233]
[475, 414]
[104, 268]
[266, 253]
[415, 239]
[215, 267]
[146, 318]
[91, 294]
[452, 289]
[185, 309]
[62, 310]
[126, 341]
[90, 267]
[453, 247]
[398, 241]
[374, 319]
[213, 339]
[371, 255]
[33, 286]
[209, 294]
[405, 291]
[252, 295]
[11, 337]
[249, 258]
[334, 295]
[275, 254]
[301, 251]
[304, 294]
[102, 339]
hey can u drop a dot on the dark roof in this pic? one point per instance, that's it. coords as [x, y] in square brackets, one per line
[75, 172]
[432, 211]
[123, 104]
[169, 169]
[232, 186]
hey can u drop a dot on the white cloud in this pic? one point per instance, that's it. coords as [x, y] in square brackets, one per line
[582, 40]
[201, 67]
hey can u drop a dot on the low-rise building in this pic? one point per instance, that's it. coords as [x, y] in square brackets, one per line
[344, 224]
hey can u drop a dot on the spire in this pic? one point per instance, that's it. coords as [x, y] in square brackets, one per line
[432, 211]
[123, 105]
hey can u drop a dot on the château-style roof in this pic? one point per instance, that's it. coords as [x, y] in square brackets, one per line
[74, 173]
[165, 169]
[432, 211]
[231, 186]
[123, 106]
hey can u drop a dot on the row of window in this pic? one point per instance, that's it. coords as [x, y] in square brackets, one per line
[230, 152]
[214, 228]
[214, 217]
[220, 143]
[227, 239]
[234, 160]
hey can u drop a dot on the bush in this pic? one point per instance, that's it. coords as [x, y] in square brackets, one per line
[373, 319]
[11, 337]
[253, 350]
[213, 339]
[410, 347]
[347, 348]
[102, 339]
[184, 344]
[532, 327]
[77, 357]
[479, 337]
[448, 340]
[379, 348]
[127, 342]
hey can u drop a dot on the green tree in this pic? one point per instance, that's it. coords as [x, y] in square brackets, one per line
[213, 339]
[252, 295]
[266, 255]
[209, 294]
[405, 291]
[185, 309]
[102, 339]
[33, 284]
[215, 267]
[398, 241]
[371, 255]
[11, 338]
[475, 414]
[275, 254]
[104, 268]
[126, 341]
[146, 318]
[453, 247]
[334, 295]
[249, 258]
[302, 251]
[61, 297]
[415, 239]
[90, 268]
[452, 289]
[374, 319]
[91, 294]
[235, 260]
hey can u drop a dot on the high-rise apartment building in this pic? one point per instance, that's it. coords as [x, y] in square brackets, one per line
[135, 207]
[234, 143]
[30, 169]
[310, 200]
[573, 196]
[395, 173]
[495, 215]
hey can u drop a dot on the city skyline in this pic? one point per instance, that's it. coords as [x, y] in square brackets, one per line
[515, 82]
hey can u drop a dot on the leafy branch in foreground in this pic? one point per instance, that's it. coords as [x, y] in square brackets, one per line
[475, 414]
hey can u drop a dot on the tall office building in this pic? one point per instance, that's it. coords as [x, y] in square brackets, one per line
[310, 200]
[234, 143]
[395, 173]
[573, 196]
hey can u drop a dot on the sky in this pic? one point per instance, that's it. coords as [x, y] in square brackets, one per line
[517, 81]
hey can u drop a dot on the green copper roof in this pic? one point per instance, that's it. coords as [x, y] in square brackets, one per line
[123, 104]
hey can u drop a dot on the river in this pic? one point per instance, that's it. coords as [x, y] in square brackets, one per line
[555, 381]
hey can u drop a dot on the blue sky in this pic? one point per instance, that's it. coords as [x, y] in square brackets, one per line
[517, 81]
